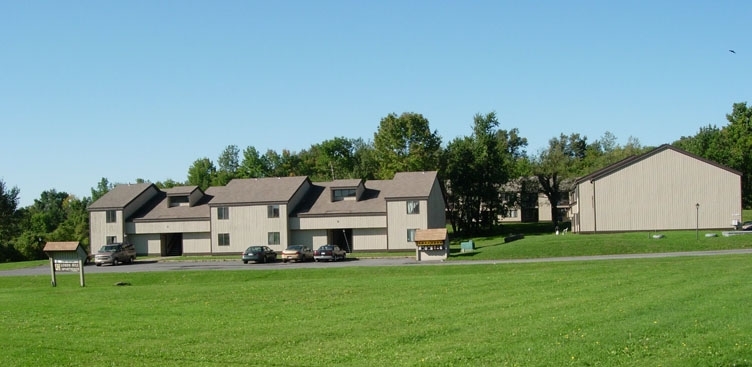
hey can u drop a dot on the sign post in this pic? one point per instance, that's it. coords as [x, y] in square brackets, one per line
[66, 257]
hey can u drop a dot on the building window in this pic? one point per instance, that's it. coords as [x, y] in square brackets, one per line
[274, 238]
[341, 194]
[272, 211]
[111, 239]
[111, 216]
[512, 213]
[178, 201]
[223, 239]
[413, 207]
[410, 235]
[223, 212]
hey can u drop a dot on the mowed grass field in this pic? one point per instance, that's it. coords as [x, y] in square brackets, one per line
[684, 311]
[540, 245]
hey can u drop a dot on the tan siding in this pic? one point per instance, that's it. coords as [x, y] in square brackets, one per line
[98, 229]
[197, 243]
[365, 221]
[146, 244]
[660, 193]
[586, 207]
[310, 238]
[544, 209]
[398, 222]
[369, 239]
[249, 225]
[168, 227]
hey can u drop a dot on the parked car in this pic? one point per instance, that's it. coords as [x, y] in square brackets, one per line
[259, 254]
[297, 253]
[746, 226]
[115, 253]
[330, 253]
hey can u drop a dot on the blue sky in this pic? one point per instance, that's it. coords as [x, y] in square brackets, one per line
[141, 89]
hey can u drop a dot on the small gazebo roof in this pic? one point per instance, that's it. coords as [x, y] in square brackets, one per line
[60, 246]
[433, 234]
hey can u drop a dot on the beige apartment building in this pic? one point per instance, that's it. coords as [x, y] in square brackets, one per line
[357, 215]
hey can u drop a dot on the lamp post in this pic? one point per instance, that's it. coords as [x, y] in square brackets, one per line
[697, 221]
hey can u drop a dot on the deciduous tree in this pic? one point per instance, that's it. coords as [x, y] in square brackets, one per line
[406, 143]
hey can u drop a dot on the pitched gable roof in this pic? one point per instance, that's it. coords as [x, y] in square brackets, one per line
[120, 196]
[405, 185]
[258, 190]
[626, 162]
[318, 201]
[180, 190]
[411, 185]
[158, 210]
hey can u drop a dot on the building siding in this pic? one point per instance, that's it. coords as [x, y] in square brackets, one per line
[398, 222]
[248, 225]
[197, 243]
[341, 222]
[436, 207]
[660, 193]
[193, 226]
[151, 226]
[369, 239]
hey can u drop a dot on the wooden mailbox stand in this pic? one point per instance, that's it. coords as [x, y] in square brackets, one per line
[66, 257]
[431, 244]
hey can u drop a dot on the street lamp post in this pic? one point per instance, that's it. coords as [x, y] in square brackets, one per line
[697, 221]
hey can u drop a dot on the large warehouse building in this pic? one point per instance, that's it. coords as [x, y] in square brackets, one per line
[663, 189]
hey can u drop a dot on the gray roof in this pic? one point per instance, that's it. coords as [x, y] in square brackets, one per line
[626, 162]
[346, 183]
[158, 209]
[407, 185]
[317, 200]
[120, 196]
[373, 200]
[180, 190]
[258, 190]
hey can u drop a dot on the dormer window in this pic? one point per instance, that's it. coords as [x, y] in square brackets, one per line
[342, 194]
[178, 201]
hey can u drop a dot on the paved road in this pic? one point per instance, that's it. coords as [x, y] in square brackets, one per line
[171, 265]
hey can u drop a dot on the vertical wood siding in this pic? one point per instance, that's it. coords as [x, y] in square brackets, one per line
[660, 193]
[398, 222]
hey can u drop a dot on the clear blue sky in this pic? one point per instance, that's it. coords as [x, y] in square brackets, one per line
[141, 89]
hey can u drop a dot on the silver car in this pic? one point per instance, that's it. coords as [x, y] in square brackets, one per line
[115, 253]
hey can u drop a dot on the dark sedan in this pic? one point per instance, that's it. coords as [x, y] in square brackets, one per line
[259, 254]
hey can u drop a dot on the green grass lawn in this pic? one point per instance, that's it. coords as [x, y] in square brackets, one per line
[551, 245]
[652, 312]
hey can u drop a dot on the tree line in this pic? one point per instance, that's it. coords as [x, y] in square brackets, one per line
[484, 174]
